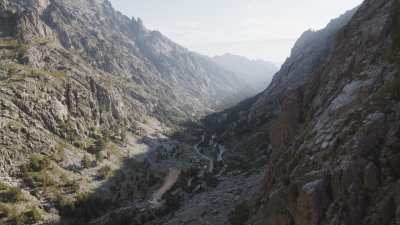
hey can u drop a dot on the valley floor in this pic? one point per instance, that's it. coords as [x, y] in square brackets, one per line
[196, 185]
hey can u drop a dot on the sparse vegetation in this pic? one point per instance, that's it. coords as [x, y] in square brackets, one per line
[8, 43]
[83, 144]
[38, 179]
[3, 186]
[32, 216]
[18, 72]
[98, 146]
[104, 172]
[35, 172]
[58, 155]
[85, 208]
[63, 202]
[36, 163]
[6, 211]
[86, 162]
[58, 74]
[10, 194]
[11, 216]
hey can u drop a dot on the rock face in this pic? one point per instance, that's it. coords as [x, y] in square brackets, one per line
[331, 116]
[81, 65]
[246, 127]
[258, 73]
[77, 79]
[86, 93]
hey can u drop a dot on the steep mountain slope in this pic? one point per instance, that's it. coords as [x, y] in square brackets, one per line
[257, 73]
[245, 127]
[88, 98]
[82, 89]
[331, 116]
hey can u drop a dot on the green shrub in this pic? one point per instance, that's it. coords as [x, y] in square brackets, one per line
[104, 172]
[35, 172]
[98, 146]
[3, 186]
[58, 74]
[32, 216]
[8, 43]
[12, 195]
[22, 50]
[83, 144]
[6, 211]
[86, 208]
[37, 163]
[62, 202]
[38, 179]
[86, 162]
[71, 184]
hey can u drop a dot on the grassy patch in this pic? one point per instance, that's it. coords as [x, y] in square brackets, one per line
[37, 163]
[36, 172]
[32, 216]
[8, 43]
[38, 179]
[86, 162]
[10, 194]
[11, 216]
[61, 202]
[83, 144]
[104, 172]
[19, 72]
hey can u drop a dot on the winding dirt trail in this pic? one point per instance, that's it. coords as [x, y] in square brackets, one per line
[169, 182]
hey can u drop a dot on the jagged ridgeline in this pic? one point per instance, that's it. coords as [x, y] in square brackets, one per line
[89, 100]
[76, 79]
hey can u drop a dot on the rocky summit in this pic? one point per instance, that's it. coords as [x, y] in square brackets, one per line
[105, 122]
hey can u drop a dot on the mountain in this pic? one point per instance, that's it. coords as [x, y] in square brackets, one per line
[82, 88]
[327, 127]
[258, 73]
[98, 124]
[249, 123]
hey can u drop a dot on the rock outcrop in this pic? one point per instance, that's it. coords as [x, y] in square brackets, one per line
[77, 79]
[83, 65]
[246, 127]
[331, 117]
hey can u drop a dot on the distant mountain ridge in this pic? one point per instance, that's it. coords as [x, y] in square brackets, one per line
[258, 73]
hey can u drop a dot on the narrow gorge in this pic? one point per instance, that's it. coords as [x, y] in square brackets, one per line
[106, 122]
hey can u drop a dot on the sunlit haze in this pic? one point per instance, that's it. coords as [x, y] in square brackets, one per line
[264, 29]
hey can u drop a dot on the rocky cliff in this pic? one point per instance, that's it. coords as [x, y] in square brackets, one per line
[246, 127]
[331, 118]
[78, 80]
[89, 96]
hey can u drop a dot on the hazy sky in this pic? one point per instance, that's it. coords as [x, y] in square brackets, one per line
[264, 29]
